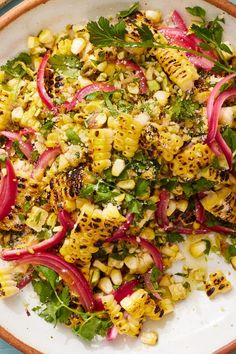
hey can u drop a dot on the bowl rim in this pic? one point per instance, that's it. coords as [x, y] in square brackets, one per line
[7, 19]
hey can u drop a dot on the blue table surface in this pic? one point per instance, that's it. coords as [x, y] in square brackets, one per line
[4, 347]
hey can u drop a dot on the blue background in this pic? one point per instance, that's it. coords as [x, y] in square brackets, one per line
[4, 347]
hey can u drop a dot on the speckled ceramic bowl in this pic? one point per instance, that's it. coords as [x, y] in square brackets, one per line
[198, 326]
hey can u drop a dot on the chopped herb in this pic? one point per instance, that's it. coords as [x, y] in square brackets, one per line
[230, 137]
[16, 67]
[67, 65]
[46, 127]
[215, 163]
[87, 191]
[92, 327]
[131, 10]
[155, 274]
[169, 183]
[17, 149]
[27, 206]
[208, 246]
[120, 255]
[183, 109]
[21, 217]
[100, 192]
[133, 205]
[43, 234]
[201, 185]
[186, 285]
[173, 237]
[35, 155]
[73, 137]
[142, 187]
[3, 158]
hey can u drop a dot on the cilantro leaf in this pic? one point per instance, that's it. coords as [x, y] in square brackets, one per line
[197, 11]
[142, 187]
[201, 185]
[169, 183]
[87, 191]
[133, 205]
[67, 65]
[173, 237]
[145, 33]
[155, 274]
[230, 138]
[15, 67]
[131, 10]
[43, 289]
[104, 34]
[92, 327]
[49, 274]
[46, 127]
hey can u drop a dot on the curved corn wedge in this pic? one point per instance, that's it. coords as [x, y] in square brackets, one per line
[221, 204]
[178, 67]
[188, 163]
[7, 283]
[115, 313]
[100, 148]
[219, 176]
[135, 303]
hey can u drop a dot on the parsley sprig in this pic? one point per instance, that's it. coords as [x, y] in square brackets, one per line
[105, 34]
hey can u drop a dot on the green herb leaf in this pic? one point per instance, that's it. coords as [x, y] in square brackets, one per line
[155, 274]
[131, 10]
[181, 110]
[43, 289]
[46, 127]
[87, 191]
[3, 158]
[35, 155]
[201, 185]
[145, 33]
[197, 11]
[173, 237]
[15, 67]
[169, 183]
[67, 65]
[73, 137]
[17, 149]
[104, 34]
[142, 187]
[208, 246]
[49, 274]
[230, 138]
[92, 327]
[133, 205]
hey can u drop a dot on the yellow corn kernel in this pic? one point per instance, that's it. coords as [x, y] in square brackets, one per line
[105, 285]
[216, 284]
[116, 277]
[100, 142]
[197, 249]
[102, 267]
[178, 292]
[149, 338]
[115, 263]
[126, 184]
[118, 167]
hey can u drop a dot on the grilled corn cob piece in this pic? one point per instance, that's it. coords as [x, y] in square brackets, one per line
[217, 284]
[221, 204]
[115, 313]
[178, 67]
[218, 176]
[65, 188]
[127, 133]
[155, 311]
[188, 163]
[100, 148]
[93, 225]
[7, 283]
[135, 325]
[157, 140]
[135, 303]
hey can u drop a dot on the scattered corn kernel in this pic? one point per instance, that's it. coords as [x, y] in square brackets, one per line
[105, 285]
[118, 167]
[116, 277]
[126, 184]
[78, 44]
[149, 338]
[197, 249]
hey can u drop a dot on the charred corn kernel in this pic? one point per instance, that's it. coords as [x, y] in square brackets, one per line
[171, 208]
[33, 42]
[17, 113]
[105, 285]
[178, 291]
[148, 233]
[216, 284]
[197, 249]
[52, 220]
[46, 36]
[182, 205]
[115, 263]
[157, 140]
[161, 97]
[94, 276]
[102, 267]
[132, 263]
[166, 280]
[178, 67]
[36, 218]
[221, 204]
[126, 184]
[127, 132]
[154, 16]
[156, 310]
[149, 338]
[102, 66]
[100, 141]
[116, 277]
[134, 304]
[153, 85]
[77, 45]
[135, 325]
[114, 311]
[118, 167]
[201, 96]
[233, 261]
[83, 81]
[170, 251]
[98, 121]
[188, 163]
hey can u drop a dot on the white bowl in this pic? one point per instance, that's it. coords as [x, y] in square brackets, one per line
[198, 326]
